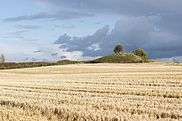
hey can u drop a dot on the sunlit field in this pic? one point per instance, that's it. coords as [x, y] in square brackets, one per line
[92, 92]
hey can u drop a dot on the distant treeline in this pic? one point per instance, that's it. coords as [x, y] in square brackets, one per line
[35, 64]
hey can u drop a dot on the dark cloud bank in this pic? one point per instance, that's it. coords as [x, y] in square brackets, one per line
[136, 32]
[154, 25]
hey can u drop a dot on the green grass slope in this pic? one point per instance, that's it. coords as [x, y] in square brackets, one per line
[120, 58]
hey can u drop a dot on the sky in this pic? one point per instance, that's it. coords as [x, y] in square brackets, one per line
[49, 30]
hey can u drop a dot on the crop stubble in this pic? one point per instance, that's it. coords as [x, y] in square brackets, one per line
[93, 92]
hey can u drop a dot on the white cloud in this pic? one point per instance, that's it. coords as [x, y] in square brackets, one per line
[94, 47]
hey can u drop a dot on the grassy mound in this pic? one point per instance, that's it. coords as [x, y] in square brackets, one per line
[120, 58]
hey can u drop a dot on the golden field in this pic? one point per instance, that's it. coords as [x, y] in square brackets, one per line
[92, 92]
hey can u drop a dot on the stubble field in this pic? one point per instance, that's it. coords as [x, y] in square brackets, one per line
[92, 92]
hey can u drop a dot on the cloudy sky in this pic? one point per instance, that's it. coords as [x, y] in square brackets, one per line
[85, 29]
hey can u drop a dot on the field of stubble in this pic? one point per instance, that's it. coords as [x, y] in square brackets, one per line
[92, 92]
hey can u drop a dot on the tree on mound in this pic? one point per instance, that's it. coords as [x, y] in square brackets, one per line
[140, 52]
[119, 56]
[119, 49]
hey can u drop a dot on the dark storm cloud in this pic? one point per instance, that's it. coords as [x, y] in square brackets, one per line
[172, 23]
[62, 15]
[133, 32]
[154, 25]
[168, 10]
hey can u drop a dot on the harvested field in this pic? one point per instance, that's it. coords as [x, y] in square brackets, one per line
[92, 92]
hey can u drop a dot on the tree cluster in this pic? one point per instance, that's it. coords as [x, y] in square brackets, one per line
[119, 49]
